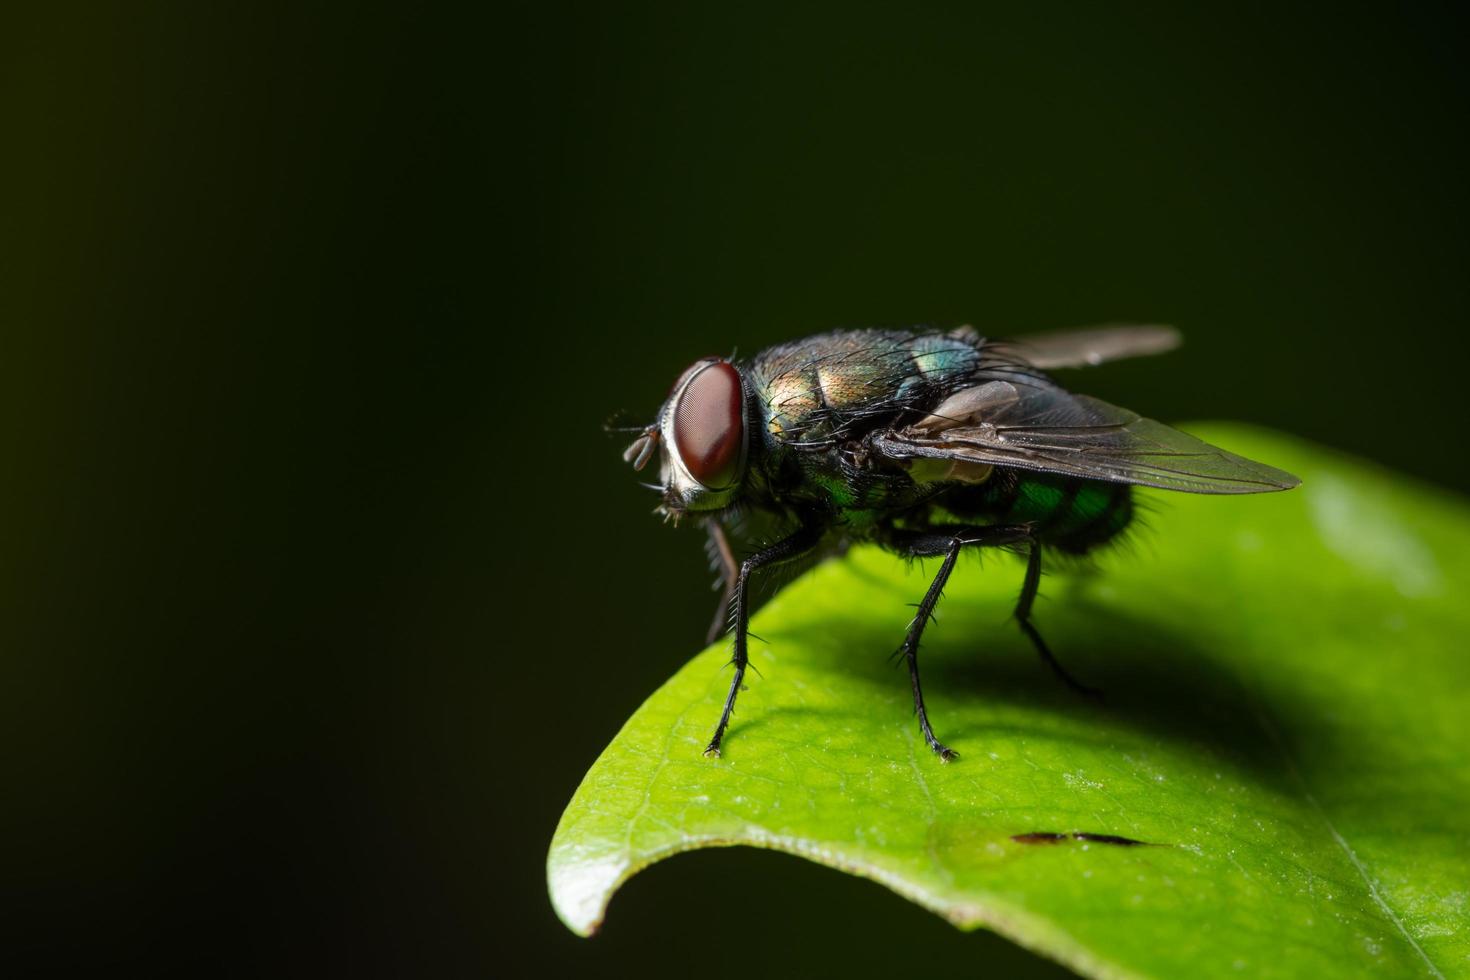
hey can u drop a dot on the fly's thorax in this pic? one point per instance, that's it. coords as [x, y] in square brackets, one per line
[834, 385]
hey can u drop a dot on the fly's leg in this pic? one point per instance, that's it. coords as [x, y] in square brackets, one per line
[724, 558]
[801, 541]
[910, 649]
[1029, 589]
[949, 544]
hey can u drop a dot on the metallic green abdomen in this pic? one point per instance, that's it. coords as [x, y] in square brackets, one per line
[1069, 514]
[1074, 515]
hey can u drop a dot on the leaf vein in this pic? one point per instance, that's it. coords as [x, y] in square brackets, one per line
[1347, 849]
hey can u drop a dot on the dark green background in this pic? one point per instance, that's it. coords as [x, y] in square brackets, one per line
[320, 586]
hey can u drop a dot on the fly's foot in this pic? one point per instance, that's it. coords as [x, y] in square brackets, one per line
[712, 750]
[945, 753]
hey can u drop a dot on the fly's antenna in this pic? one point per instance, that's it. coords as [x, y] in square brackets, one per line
[642, 448]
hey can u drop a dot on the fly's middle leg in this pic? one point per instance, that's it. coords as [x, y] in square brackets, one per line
[948, 542]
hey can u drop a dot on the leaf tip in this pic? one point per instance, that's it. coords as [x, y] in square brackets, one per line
[580, 888]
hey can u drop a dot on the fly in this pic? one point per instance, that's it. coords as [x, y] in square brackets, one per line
[927, 444]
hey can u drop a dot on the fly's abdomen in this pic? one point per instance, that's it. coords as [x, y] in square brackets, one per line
[1074, 516]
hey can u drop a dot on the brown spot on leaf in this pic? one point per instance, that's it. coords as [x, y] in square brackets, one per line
[1048, 837]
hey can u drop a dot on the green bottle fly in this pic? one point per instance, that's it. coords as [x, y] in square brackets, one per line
[926, 443]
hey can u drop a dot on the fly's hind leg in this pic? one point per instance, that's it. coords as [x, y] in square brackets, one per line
[947, 542]
[1029, 588]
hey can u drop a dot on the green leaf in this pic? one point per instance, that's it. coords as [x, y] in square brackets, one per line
[1286, 725]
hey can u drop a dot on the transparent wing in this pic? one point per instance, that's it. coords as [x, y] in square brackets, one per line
[1032, 424]
[1089, 346]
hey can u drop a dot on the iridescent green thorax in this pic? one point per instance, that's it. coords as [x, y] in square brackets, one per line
[826, 387]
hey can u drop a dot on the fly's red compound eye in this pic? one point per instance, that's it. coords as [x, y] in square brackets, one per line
[709, 425]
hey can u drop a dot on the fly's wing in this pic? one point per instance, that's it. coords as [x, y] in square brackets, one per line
[1031, 424]
[1090, 346]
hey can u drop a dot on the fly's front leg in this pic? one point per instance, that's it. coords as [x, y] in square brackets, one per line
[948, 542]
[799, 543]
[723, 558]
[1029, 588]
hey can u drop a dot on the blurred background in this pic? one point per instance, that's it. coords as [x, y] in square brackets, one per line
[321, 587]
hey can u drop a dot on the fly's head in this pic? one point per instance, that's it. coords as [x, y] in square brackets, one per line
[701, 440]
